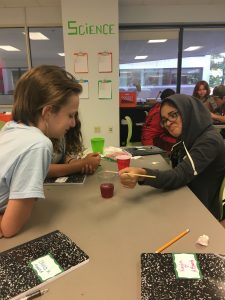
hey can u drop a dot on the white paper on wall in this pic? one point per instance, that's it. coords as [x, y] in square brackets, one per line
[105, 62]
[80, 62]
[85, 87]
[105, 89]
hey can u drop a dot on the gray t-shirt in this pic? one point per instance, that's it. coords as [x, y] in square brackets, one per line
[24, 159]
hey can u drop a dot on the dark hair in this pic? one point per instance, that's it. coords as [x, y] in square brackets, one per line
[166, 93]
[73, 139]
[39, 87]
[197, 86]
[168, 102]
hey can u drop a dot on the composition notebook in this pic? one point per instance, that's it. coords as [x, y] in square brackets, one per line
[144, 150]
[27, 267]
[71, 179]
[182, 276]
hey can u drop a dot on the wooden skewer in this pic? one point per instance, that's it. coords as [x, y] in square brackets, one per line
[148, 176]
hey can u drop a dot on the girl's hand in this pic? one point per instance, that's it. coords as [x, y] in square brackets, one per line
[93, 161]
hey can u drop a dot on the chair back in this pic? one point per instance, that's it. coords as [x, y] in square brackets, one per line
[222, 198]
[129, 130]
[5, 117]
[2, 123]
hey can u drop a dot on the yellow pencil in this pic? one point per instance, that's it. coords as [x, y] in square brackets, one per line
[172, 241]
[129, 174]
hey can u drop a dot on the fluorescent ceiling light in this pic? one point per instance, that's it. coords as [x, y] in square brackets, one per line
[157, 41]
[193, 48]
[9, 48]
[61, 54]
[37, 36]
[141, 57]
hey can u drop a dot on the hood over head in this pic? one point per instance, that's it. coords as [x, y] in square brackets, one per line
[195, 117]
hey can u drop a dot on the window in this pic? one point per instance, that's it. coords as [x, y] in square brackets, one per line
[13, 61]
[50, 50]
[203, 57]
[158, 70]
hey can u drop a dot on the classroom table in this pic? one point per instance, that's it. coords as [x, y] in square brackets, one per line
[114, 232]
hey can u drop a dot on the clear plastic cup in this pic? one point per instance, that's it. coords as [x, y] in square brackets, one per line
[106, 184]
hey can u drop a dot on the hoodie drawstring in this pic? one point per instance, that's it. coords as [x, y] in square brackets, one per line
[191, 161]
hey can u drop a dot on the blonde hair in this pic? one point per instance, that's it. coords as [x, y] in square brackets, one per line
[39, 87]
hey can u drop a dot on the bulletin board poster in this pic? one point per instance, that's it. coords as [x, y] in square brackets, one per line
[128, 99]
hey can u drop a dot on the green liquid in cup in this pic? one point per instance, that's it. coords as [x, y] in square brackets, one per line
[97, 144]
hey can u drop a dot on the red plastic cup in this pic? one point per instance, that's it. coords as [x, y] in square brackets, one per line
[123, 161]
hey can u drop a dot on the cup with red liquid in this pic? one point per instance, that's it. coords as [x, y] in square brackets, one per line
[106, 181]
[123, 161]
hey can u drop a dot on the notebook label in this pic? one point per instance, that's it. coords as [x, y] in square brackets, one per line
[61, 179]
[46, 267]
[186, 266]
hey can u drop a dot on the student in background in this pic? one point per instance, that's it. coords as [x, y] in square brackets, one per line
[198, 158]
[219, 97]
[218, 115]
[68, 152]
[46, 100]
[152, 132]
[202, 92]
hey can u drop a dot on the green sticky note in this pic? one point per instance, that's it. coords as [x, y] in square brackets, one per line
[186, 265]
[46, 267]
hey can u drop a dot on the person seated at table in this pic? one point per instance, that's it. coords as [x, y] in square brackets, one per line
[202, 92]
[218, 115]
[198, 158]
[46, 99]
[67, 154]
[219, 97]
[152, 132]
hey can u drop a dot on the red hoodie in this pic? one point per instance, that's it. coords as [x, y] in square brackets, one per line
[153, 133]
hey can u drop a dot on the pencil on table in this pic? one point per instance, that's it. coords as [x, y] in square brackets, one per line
[173, 241]
[148, 176]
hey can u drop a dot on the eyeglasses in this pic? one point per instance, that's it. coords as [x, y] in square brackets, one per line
[172, 117]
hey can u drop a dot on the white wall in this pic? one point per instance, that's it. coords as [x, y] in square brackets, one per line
[94, 112]
[167, 14]
[35, 16]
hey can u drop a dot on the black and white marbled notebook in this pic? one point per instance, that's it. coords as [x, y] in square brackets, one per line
[31, 265]
[159, 280]
[76, 178]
